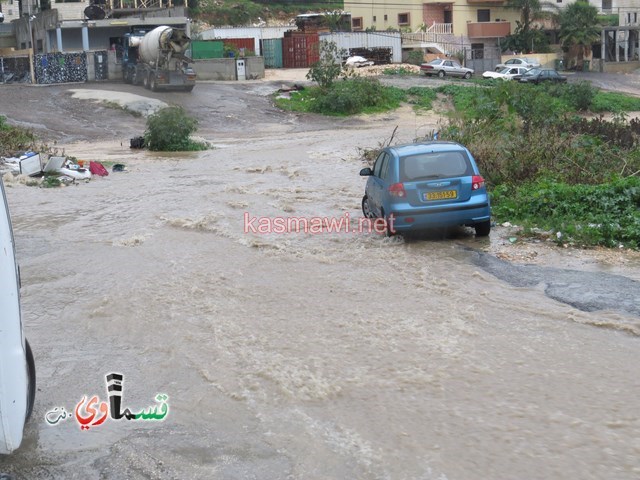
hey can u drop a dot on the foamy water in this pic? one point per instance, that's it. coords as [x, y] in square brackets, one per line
[305, 356]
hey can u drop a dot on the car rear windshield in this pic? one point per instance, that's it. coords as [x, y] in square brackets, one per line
[428, 166]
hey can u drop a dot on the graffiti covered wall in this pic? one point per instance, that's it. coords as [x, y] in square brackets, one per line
[60, 68]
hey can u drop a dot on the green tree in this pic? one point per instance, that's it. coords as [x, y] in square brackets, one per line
[579, 28]
[527, 37]
[329, 67]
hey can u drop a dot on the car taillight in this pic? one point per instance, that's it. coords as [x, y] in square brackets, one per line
[426, 67]
[477, 182]
[397, 190]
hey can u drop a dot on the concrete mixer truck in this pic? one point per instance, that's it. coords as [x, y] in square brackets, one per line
[156, 59]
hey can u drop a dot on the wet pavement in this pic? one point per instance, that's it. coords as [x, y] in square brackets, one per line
[303, 356]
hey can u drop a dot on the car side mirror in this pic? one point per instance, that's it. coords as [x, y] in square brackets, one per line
[365, 172]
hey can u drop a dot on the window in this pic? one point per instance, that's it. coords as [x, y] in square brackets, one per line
[477, 51]
[484, 15]
[385, 167]
[377, 168]
[434, 165]
[356, 23]
[374, 19]
[403, 19]
[385, 18]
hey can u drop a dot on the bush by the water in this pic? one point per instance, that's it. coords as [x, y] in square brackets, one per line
[356, 95]
[347, 96]
[169, 130]
[14, 139]
[549, 168]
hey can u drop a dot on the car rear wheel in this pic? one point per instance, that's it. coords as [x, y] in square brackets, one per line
[483, 228]
[441, 73]
[31, 370]
[467, 75]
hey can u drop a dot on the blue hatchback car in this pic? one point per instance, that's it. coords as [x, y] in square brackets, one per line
[424, 185]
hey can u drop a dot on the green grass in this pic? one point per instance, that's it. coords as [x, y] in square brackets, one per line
[583, 215]
[614, 102]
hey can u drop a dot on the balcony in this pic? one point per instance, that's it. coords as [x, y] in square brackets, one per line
[488, 29]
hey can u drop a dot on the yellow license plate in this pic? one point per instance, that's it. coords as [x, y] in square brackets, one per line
[444, 195]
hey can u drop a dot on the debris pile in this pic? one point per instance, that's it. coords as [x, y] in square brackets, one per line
[33, 168]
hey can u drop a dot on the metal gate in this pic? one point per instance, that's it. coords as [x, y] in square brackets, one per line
[482, 59]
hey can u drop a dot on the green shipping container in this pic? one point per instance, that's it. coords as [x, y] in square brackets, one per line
[272, 53]
[201, 49]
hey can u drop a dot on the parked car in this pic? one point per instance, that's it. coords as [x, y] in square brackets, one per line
[443, 67]
[418, 186]
[540, 75]
[507, 73]
[358, 61]
[519, 62]
[17, 368]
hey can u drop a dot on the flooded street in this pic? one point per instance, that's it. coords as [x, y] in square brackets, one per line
[302, 355]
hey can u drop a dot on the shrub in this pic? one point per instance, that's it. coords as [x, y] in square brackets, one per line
[169, 129]
[14, 139]
[580, 95]
[328, 68]
[415, 57]
[356, 95]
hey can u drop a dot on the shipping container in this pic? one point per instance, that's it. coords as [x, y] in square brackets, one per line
[369, 40]
[202, 49]
[272, 52]
[257, 33]
[300, 50]
[246, 44]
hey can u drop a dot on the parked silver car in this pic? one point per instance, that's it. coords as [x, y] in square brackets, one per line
[445, 67]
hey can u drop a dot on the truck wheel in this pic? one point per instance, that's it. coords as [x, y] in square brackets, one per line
[189, 88]
[145, 81]
[152, 83]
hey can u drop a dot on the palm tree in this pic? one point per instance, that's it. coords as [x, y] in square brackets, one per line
[579, 27]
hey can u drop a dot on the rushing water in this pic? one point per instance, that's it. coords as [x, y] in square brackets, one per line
[302, 356]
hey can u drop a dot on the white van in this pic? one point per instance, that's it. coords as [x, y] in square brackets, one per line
[17, 368]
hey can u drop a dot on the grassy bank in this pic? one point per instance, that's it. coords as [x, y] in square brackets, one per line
[552, 166]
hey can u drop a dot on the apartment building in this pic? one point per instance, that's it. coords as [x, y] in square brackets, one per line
[470, 22]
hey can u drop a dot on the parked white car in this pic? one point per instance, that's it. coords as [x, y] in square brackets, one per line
[519, 62]
[507, 73]
[358, 61]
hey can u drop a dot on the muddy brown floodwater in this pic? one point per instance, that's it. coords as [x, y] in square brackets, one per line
[303, 356]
